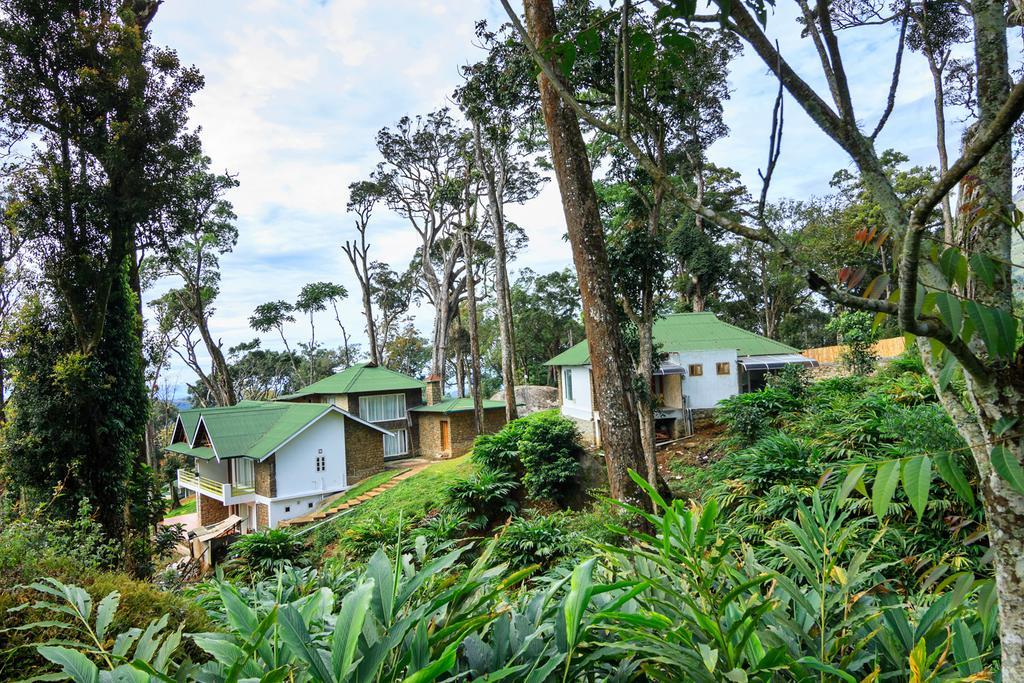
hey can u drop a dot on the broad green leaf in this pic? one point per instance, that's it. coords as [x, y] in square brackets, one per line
[952, 263]
[965, 649]
[853, 475]
[348, 627]
[947, 372]
[105, 613]
[708, 656]
[588, 41]
[440, 665]
[296, 637]
[951, 473]
[886, 480]
[876, 288]
[1008, 467]
[72, 662]
[917, 479]
[985, 268]
[950, 311]
[997, 327]
[1004, 424]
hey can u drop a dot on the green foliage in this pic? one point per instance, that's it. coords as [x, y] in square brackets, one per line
[550, 451]
[793, 379]
[264, 552]
[690, 602]
[500, 451]
[483, 498]
[75, 435]
[856, 332]
[748, 417]
[540, 539]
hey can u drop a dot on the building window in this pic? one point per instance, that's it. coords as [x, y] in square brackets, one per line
[396, 443]
[723, 368]
[696, 369]
[382, 408]
[310, 505]
[287, 508]
[567, 384]
[321, 463]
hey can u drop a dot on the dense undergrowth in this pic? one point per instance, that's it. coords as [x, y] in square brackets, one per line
[490, 568]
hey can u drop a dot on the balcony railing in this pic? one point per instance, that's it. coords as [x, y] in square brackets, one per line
[225, 493]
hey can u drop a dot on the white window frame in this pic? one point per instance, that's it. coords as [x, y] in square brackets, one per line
[401, 436]
[321, 463]
[242, 467]
[567, 384]
[368, 412]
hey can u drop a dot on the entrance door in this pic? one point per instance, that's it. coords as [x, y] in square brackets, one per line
[446, 436]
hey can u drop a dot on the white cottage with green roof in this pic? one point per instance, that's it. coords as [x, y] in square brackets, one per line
[267, 461]
[703, 360]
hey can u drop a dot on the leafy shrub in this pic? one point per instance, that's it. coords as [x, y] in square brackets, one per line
[264, 552]
[792, 379]
[500, 451]
[483, 498]
[823, 607]
[777, 459]
[855, 330]
[550, 452]
[748, 417]
[31, 547]
[540, 539]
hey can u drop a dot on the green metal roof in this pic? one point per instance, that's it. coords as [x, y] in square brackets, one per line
[201, 452]
[361, 377]
[682, 332]
[456, 405]
[253, 429]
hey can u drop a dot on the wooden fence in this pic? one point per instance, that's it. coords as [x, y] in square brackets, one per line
[885, 348]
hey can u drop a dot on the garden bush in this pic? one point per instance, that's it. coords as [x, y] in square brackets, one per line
[539, 539]
[748, 417]
[264, 552]
[550, 452]
[483, 498]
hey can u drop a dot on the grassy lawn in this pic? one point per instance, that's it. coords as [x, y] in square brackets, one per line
[362, 487]
[414, 496]
[186, 509]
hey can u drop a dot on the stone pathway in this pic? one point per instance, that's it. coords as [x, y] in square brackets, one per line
[330, 509]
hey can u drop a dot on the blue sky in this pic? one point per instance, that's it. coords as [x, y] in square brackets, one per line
[296, 90]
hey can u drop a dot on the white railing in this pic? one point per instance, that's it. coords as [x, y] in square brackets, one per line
[225, 493]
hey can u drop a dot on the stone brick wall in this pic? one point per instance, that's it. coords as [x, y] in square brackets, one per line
[262, 516]
[211, 510]
[266, 477]
[462, 431]
[364, 451]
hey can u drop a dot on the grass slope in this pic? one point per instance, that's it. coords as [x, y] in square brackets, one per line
[362, 487]
[188, 508]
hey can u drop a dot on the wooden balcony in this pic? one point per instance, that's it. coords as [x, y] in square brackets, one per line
[229, 494]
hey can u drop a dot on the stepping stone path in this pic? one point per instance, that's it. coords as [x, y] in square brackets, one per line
[339, 505]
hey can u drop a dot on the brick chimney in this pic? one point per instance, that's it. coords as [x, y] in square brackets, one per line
[434, 392]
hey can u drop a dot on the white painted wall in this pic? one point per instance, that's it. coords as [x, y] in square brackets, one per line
[296, 460]
[579, 407]
[281, 510]
[708, 389]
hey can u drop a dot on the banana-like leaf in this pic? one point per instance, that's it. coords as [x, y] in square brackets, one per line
[73, 663]
[886, 479]
[917, 479]
[348, 627]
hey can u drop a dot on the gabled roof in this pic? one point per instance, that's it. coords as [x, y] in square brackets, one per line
[253, 429]
[681, 332]
[361, 377]
[456, 405]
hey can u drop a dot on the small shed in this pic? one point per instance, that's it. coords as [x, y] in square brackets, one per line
[446, 429]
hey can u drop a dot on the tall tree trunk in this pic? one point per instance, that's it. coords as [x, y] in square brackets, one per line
[645, 406]
[474, 334]
[506, 333]
[987, 232]
[620, 434]
[3, 388]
